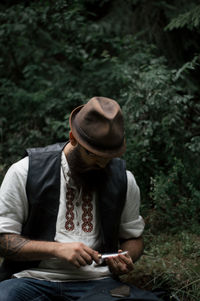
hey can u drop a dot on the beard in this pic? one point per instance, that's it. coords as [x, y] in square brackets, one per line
[87, 177]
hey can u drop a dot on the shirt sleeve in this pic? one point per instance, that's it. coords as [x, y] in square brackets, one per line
[132, 223]
[13, 199]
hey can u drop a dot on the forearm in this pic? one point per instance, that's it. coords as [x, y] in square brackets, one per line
[19, 248]
[134, 247]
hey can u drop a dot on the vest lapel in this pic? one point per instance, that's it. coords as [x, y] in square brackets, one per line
[43, 191]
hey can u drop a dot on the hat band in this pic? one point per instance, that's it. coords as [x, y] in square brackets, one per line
[93, 143]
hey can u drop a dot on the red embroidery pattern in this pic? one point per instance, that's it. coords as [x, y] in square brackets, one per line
[87, 216]
[87, 207]
[69, 225]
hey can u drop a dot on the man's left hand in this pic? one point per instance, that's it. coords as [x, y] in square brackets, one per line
[121, 264]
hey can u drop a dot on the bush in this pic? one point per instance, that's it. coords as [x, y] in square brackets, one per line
[162, 142]
[176, 201]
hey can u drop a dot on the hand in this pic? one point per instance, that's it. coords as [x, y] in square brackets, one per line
[76, 253]
[121, 264]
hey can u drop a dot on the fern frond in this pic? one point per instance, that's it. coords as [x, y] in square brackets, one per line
[190, 20]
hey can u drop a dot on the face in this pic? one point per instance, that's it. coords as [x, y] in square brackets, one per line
[86, 168]
[92, 161]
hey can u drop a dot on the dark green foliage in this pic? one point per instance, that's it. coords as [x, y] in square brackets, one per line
[190, 18]
[176, 200]
[55, 55]
[163, 140]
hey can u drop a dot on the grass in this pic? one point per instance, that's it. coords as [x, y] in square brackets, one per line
[170, 262]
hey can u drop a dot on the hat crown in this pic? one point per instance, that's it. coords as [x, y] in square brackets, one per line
[98, 125]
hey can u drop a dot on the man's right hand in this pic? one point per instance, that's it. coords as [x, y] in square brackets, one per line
[76, 253]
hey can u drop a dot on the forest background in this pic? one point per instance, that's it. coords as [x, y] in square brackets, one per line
[55, 55]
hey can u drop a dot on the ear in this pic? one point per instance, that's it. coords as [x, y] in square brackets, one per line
[72, 139]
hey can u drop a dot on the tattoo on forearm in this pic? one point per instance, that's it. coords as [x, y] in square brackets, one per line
[11, 244]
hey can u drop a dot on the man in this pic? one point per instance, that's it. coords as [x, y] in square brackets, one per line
[64, 205]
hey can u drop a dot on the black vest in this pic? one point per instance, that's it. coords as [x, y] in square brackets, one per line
[43, 193]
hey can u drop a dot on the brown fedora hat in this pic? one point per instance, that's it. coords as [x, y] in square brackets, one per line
[98, 126]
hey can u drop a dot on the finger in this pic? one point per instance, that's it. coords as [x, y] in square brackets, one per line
[124, 262]
[116, 267]
[128, 262]
[93, 254]
[120, 265]
[114, 264]
[96, 257]
[83, 257]
[81, 261]
[87, 257]
[126, 258]
[111, 262]
[117, 261]
[77, 264]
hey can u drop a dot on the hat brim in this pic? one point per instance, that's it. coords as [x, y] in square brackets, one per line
[102, 152]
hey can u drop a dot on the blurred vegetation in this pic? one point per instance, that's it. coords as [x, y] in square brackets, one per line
[55, 55]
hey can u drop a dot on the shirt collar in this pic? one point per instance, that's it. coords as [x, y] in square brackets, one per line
[66, 171]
